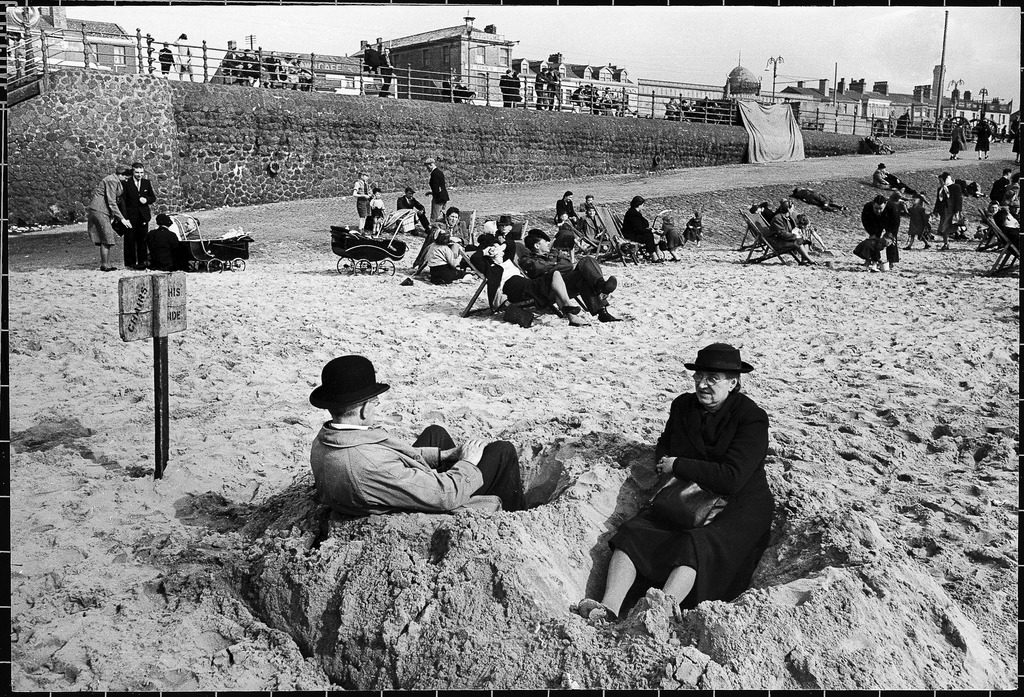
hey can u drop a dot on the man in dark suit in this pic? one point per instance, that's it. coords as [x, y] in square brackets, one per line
[138, 197]
[438, 190]
[408, 201]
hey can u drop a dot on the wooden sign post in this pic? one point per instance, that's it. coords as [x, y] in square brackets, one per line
[154, 306]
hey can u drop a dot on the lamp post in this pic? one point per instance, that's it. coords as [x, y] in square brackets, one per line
[774, 63]
[984, 93]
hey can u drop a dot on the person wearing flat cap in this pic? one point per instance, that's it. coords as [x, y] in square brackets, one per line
[438, 190]
[716, 437]
[359, 469]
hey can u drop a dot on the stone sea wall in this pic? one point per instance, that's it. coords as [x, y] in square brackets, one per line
[222, 145]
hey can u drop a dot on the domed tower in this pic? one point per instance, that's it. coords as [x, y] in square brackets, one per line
[742, 83]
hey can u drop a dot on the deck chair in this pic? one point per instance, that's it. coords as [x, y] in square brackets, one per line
[764, 249]
[1009, 252]
[496, 299]
[620, 248]
[993, 240]
[755, 224]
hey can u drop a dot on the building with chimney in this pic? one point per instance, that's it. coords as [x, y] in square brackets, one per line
[463, 54]
[69, 42]
[572, 76]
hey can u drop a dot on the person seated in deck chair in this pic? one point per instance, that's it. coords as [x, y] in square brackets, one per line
[781, 232]
[360, 469]
[815, 199]
[488, 252]
[764, 210]
[408, 201]
[456, 228]
[584, 278]
[636, 228]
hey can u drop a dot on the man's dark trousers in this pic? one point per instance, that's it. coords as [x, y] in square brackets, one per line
[499, 466]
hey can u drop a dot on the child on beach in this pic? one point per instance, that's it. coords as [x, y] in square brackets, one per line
[920, 228]
[694, 231]
[810, 235]
[870, 251]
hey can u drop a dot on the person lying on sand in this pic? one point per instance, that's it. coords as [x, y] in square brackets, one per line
[716, 437]
[584, 278]
[359, 469]
[815, 199]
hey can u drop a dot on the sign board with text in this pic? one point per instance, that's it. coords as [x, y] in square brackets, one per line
[151, 305]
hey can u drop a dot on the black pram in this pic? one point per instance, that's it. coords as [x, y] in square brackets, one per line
[367, 254]
[198, 254]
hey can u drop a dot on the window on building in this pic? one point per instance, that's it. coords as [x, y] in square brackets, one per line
[506, 58]
[477, 55]
[446, 56]
[120, 56]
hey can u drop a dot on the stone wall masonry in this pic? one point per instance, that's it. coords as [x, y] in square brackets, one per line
[85, 124]
[224, 145]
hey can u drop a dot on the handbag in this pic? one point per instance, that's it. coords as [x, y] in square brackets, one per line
[685, 504]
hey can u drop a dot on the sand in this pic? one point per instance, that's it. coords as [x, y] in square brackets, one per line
[894, 428]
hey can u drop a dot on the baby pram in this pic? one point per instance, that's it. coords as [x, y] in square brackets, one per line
[362, 253]
[225, 253]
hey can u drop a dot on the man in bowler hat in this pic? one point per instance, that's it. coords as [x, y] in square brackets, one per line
[359, 469]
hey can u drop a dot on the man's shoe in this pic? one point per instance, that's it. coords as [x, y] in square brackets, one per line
[610, 285]
[605, 316]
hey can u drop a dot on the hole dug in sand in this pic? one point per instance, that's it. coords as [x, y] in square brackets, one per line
[471, 600]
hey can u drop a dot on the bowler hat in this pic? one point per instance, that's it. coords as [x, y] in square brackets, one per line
[409, 191]
[504, 220]
[346, 380]
[719, 357]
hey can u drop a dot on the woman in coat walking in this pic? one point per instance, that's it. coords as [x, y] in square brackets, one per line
[957, 141]
[717, 437]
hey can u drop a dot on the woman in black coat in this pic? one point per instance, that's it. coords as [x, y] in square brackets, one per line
[636, 228]
[718, 438]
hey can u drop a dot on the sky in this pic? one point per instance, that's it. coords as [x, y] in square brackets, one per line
[688, 44]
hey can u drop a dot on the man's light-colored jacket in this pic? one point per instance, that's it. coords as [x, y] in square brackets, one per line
[358, 472]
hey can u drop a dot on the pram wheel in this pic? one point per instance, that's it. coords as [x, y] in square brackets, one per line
[364, 266]
[386, 266]
[341, 264]
[238, 264]
[215, 265]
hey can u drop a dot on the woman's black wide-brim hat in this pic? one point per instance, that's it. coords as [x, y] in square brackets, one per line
[721, 358]
[347, 380]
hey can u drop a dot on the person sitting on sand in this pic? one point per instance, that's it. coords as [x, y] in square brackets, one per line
[359, 469]
[564, 206]
[445, 258]
[164, 246]
[884, 180]
[815, 199]
[809, 235]
[584, 278]
[408, 201]
[716, 437]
